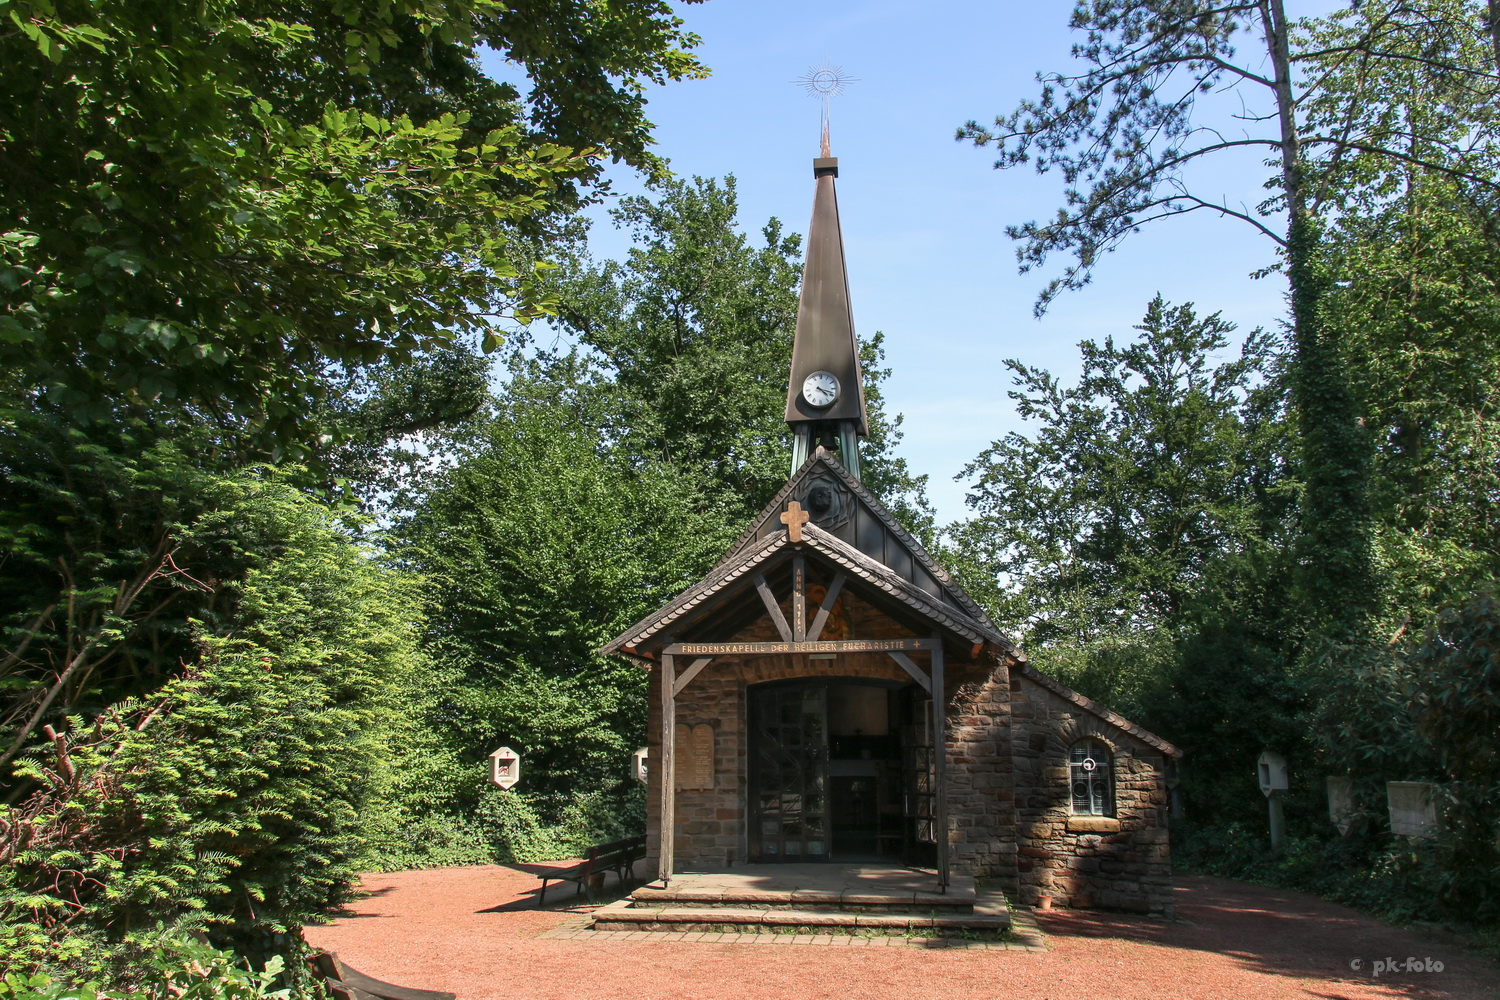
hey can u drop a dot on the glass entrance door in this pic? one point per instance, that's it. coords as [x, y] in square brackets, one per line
[789, 773]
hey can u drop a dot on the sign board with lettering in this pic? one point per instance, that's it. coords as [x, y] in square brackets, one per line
[822, 646]
[695, 756]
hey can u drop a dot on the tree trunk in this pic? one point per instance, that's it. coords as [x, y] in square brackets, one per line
[1336, 577]
[1494, 27]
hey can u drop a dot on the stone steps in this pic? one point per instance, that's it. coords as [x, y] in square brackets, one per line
[959, 899]
[961, 912]
[621, 916]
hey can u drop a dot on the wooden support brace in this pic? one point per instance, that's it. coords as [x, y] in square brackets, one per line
[911, 668]
[826, 608]
[772, 608]
[690, 673]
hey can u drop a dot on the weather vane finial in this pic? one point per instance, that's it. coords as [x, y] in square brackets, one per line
[824, 82]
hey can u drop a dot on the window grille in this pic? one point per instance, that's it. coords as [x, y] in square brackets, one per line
[1093, 791]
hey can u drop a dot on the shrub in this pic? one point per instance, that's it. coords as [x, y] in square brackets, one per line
[239, 797]
[509, 827]
[1457, 698]
[171, 970]
[1395, 882]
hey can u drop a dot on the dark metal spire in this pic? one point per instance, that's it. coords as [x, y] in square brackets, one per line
[825, 341]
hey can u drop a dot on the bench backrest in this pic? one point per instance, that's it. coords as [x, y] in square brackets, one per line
[616, 852]
[628, 844]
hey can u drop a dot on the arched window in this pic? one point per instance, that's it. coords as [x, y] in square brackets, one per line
[1093, 787]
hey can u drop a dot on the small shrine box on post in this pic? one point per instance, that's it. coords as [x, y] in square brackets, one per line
[505, 767]
[1271, 770]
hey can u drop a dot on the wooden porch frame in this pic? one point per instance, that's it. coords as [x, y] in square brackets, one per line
[673, 684]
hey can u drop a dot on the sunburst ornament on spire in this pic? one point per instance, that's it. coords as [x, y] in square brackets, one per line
[825, 83]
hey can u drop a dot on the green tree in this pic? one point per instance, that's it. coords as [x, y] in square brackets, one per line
[694, 331]
[228, 216]
[1093, 535]
[1457, 703]
[241, 794]
[1126, 131]
[398, 418]
[97, 589]
[221, 199]
[1420, 317]
[542, 543]
[1139, 541]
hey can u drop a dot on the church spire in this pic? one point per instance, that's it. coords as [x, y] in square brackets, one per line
[825, 402]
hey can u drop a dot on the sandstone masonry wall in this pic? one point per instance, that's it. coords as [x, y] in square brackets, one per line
[1120, 862]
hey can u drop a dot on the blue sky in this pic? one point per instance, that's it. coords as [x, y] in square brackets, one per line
[923, 216]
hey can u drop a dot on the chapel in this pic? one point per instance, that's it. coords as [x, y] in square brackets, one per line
[829, 695]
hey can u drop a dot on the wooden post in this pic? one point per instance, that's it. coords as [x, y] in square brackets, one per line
[668, 769]
[940, 760]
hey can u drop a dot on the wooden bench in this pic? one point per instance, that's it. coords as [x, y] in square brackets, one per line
[346, 983]
[618, 856]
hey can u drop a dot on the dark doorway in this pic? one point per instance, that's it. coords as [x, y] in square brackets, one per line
[789, 773]
[833, 772]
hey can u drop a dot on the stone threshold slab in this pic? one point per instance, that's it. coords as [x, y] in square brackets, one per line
[840, 940]
[688, 890]
[628, 916]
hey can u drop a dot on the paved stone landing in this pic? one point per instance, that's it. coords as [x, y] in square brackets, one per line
[807, 901]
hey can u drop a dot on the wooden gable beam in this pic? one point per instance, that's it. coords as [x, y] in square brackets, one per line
[826, 608]
[799, 599]
[772, 608]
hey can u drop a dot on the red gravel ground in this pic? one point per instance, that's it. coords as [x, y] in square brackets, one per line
[474, 931]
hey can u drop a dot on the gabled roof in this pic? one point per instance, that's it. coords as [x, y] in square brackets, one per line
[737, 573]
[1094, 708]
[823, 461]
[755, 554]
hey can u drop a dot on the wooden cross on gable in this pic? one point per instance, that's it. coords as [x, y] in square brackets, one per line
[794, 517]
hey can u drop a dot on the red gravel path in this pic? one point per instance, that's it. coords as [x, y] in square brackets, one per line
[473, 931]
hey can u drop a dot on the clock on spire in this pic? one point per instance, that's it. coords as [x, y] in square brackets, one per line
[825, 402]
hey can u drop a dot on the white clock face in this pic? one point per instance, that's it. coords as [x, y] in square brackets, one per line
[820, 389]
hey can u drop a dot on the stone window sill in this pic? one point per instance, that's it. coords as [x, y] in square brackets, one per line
[1093, 824]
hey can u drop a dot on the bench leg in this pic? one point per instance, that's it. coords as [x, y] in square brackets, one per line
[543, 900]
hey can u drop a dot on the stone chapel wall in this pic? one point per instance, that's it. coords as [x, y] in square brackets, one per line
[1120, 862]
[981, 774]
